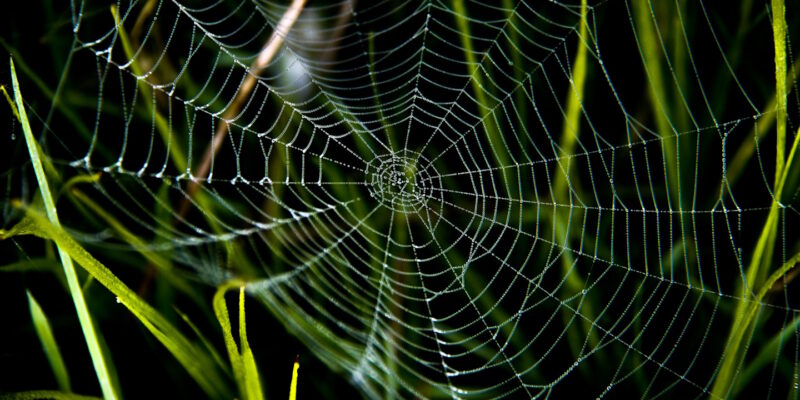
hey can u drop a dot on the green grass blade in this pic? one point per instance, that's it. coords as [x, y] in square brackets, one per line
[779, 33]
[765, 246]
[44, 394]
[51, 350]
[244, 366]
[743, 155]
[221, 311]
[571, 127]
[476, 71]
[10, 102]
[68, 112]
[646, 34]
[206, 343]
[31, 265]
[84, 317]
[766, 356]
[565, 183]
[293, 385]
[197, 363]
[743, 323]
[163, 264]
[252, 381]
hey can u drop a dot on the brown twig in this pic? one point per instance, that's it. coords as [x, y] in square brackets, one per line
[266, 56]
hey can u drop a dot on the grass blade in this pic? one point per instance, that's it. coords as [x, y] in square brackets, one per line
[248, 360]
[779, 33]
[84, 317]
[45, 333]
[479, 88]
[163, 264]
[765, 356]
[744, 322]
[293, 386]
[45, 394]
[206, 343]
[42, 264]
[566, 184]
[763, 253]
[244, 366]
[194, 360]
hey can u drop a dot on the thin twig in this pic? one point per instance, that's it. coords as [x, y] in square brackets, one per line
[266, 56]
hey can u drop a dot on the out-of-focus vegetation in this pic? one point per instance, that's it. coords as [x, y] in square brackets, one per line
[153, 323]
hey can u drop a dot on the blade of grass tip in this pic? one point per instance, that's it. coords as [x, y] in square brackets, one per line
[66, 111]
[51, 350]
[48, 165]
[193, 359]
[44, 394]
[10, 101]
[109, 392]
[221, 311]
[293, 385]
[252, 380]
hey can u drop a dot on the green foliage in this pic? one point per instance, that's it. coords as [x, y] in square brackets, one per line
[117, 254]
[197, 362]
[45, 394]
[76, 292]
[45, 333]
[244, 366]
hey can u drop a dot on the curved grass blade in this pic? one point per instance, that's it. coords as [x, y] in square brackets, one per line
[243, 363]
[192, 357]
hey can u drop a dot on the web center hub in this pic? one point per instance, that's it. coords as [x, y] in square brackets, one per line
[402, 181]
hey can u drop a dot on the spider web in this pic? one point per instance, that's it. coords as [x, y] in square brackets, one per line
[404, 186]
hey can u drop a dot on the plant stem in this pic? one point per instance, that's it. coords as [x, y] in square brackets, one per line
[745, 314]
[293, 386]
[266, 56]
[565, 185]
[84, 317]
[779, 33]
